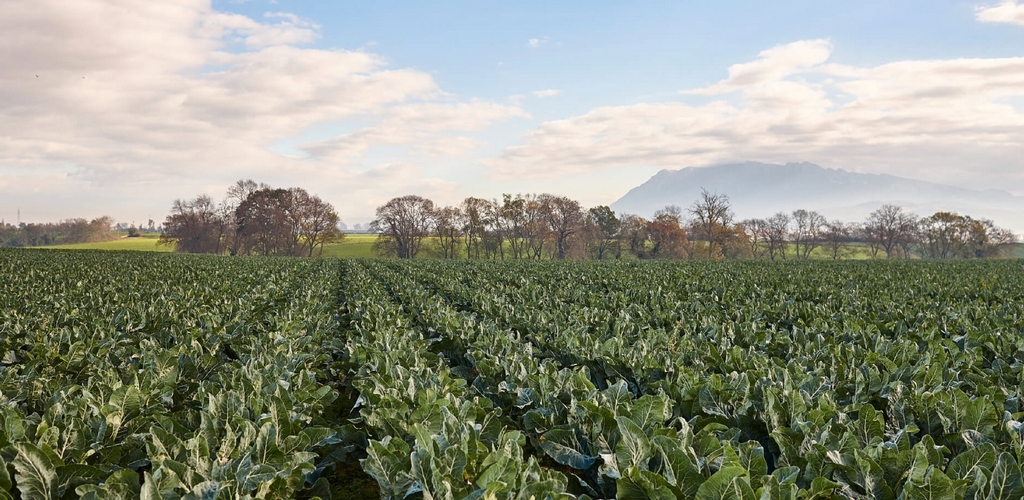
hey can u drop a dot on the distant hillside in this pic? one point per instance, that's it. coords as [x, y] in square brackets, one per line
[760, 190]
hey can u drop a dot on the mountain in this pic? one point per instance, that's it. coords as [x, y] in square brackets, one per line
[760, 190]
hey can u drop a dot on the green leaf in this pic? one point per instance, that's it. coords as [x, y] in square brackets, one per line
[563, 446]
[677, 467]
[729, 483]
[206, 490]
[36, 473]
[712, 402]
[637, 484]
[773, 489]
[388, 462]
[161, 484]
[127, 400]
[121, 485]
[1005, 483]
[72, 476]
[933, 485]
[633, 448]
[5, 477]
[972, 461]
[650, 411]
[618, 396]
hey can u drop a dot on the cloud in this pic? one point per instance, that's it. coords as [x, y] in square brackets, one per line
[534, 43]
[1010, 12]
[947, 120]
[426, 129]
[772, 65]
[144, 103]
[546, 93]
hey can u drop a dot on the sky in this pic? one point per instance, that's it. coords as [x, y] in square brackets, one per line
[119, 107]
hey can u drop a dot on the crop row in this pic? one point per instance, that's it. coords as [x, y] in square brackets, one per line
[168, 376]
[741, 381]
[129, 375]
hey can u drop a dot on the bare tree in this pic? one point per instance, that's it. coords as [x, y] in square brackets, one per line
[448, 229]
[757, 237]
[893, 229]
[564, 218]
[195, 226]
[402, 224]
[474, 225]
[496, 232]
[807, 229]
[316, 221]
[777, 229]
[712, 218]
[836, 237]
[512, 220]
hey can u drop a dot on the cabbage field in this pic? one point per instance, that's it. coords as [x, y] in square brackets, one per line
[158, 376]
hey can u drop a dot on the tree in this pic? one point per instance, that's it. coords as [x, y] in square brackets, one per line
[667, 236]
[511, 221]
[893, 229]
[836, 237]
[474, 225]
[402, 223]
[448, 229]
[607, 225]
[283, 222]
[633, 230]
[712, 221]
[987, 240]
[266, 224]
[757, 236]
[237, 193]
[564, 217]
[195, 226]
[807, 229]
[777, 230]
[317, 221]
[944, 235]
[948, 235]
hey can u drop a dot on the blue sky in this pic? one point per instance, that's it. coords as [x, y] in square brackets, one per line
[359, 101]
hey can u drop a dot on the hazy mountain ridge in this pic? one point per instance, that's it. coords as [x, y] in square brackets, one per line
[761, 189]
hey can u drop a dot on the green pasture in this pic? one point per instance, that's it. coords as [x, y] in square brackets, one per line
[145, 243]
[352, 246]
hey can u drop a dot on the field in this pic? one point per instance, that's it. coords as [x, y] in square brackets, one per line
[143, 375]
[353, 246]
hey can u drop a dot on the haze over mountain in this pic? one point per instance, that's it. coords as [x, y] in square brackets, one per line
[760, 190]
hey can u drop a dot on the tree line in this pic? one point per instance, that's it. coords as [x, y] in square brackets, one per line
[63, 232]
[545, 226]
[253, 219]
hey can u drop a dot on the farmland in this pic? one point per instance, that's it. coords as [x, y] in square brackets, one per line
[145, 375]
[353, 246]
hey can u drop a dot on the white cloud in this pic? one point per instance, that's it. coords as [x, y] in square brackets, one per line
[534, 43]
[145, 102]
[1007, 12]
[426, 129]
[546, 93]
[948, 120]
[772, 65]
